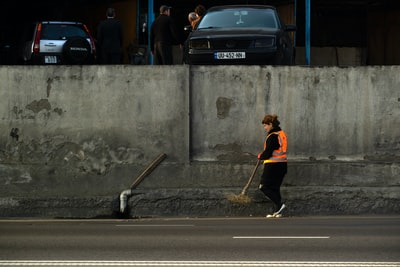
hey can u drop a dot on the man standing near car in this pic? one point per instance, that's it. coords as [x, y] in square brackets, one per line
[109, 39]
[163, 35]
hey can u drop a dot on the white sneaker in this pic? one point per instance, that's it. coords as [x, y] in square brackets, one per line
[278, 213]
[275, 215]
[281, 209]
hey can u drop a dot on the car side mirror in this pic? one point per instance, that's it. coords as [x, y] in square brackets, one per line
[290, 28]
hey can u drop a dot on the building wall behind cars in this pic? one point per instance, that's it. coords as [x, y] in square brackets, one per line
[371, 30]
[383, 38]
[371, 27]
[92, 15]
[73, 137]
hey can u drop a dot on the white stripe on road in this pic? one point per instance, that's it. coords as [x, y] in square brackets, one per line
[155, 225]
[281, 237]
[200, 263]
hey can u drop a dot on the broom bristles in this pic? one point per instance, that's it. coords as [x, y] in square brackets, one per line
[240, 199]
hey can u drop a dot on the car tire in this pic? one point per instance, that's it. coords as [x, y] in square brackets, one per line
[76, 50]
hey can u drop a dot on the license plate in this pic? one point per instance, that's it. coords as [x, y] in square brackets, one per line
[229, 55]
[50, 59]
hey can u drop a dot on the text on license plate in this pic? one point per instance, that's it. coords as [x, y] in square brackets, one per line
[229, 55]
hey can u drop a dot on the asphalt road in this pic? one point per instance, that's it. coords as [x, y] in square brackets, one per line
[296, 241]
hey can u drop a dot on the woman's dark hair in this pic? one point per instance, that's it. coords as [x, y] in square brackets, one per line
[200, 10]
[271, 119]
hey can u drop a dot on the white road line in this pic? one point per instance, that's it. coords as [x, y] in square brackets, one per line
[281, 237]
[200, 263]
[155, 225]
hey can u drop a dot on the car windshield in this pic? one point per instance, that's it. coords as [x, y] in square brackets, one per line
[239, 18]
[61, 32]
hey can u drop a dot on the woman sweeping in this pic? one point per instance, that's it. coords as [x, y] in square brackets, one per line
[275, 163]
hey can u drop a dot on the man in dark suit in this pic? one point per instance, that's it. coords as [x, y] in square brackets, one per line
[109, 39]
[163, 35]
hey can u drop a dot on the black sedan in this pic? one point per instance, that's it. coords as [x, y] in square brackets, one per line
[240, 34]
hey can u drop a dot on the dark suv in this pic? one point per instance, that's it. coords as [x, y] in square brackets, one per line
[57, 42]
[240, 34]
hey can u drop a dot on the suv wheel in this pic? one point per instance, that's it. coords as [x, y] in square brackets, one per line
[76, 50]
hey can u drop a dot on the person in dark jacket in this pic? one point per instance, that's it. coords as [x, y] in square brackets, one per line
[109, 39]
[274, 159]
[163, 35]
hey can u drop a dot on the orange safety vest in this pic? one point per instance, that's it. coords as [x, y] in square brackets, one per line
[278, 155]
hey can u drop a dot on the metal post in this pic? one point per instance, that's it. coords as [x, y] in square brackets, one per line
[307, 30]
[295, 22]
[138, 26]
[150, 21]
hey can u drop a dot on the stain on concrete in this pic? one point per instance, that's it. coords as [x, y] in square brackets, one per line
[15, 133]
[223, 107]
[233, 147]
[383, 157]
[94, 156]
[34, 108]
[268, 76]
[59, 111]
[37, 106]
[267, 87]
[12, 175]
[48, 88]
[237, 77]
[18, 112]
[69, 150]
[233, 152]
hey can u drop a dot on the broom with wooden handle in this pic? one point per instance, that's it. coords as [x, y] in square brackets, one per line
[242, 198]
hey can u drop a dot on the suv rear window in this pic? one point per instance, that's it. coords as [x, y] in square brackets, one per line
[61, 32]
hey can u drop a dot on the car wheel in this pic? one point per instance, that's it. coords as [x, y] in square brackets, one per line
[76, 51]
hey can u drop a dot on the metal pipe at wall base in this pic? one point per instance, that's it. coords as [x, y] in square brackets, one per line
[123, 199]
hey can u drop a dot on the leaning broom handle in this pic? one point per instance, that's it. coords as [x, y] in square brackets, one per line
[148, 170]
[246, 187]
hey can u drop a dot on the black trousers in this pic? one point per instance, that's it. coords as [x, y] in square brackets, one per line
[163, 54]
[110, 58]
[271, 181]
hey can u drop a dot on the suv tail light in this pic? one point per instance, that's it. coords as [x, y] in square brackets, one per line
[36, 43]
[92, 44]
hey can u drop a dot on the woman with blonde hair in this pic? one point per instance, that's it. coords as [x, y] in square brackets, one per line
[192, 17]
[274, 159]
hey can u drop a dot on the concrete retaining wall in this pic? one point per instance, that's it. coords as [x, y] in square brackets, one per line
[84, 133]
